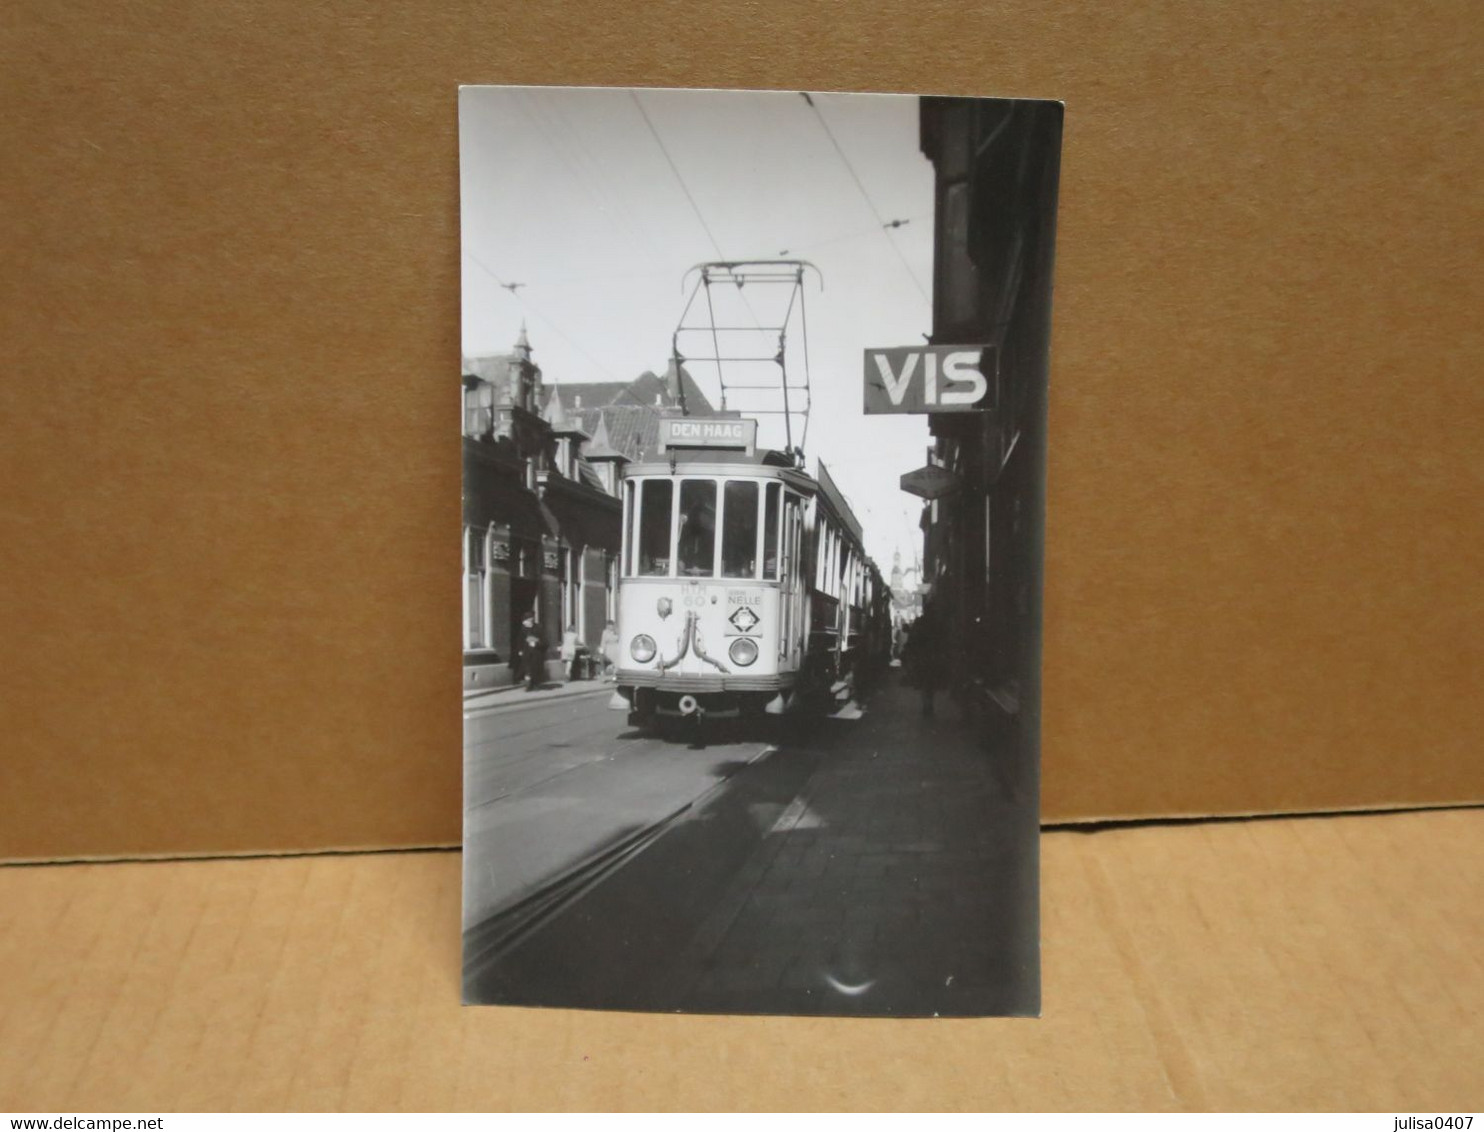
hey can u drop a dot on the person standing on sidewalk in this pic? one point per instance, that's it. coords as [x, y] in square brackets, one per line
[532, 652]
[569, 653]
[609, 645]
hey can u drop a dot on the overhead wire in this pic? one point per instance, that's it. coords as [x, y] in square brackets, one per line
[602, 179]
[866, 196]
[557, 330]
[684, 188]
[689, 196]
[531, 107]
[812, 246]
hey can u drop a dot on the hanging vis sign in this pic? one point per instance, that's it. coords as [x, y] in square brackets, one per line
[929, 379]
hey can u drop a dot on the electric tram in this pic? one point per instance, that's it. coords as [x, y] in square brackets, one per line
[744, 587]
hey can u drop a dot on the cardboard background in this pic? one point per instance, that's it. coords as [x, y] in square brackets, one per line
[229, 310]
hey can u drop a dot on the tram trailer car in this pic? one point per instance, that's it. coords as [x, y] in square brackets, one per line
[744, 588]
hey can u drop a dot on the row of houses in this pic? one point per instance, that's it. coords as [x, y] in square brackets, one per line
[541, 509]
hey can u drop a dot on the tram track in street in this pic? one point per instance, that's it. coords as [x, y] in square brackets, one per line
[504, 931]
[598, 857]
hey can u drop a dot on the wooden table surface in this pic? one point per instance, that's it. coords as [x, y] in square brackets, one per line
[1329, 963]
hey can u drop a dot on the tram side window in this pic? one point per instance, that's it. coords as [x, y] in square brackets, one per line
[770, 532]
[655, 497]
[697, 528]
[823, 580]
[739, 530]
[794, 545]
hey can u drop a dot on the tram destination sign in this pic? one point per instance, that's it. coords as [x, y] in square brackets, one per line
[929, 379]
[737, 434]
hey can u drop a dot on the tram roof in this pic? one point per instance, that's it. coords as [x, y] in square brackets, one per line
[689, 457]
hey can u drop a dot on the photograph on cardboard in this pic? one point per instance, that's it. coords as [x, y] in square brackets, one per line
[753, 435]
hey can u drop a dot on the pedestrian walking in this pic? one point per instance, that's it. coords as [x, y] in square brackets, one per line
[533, 652]
[925, 658]
[609, 646]
[569, 652]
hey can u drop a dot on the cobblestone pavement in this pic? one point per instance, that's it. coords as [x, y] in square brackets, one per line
[902, 879]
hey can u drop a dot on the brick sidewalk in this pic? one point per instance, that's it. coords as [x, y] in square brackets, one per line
[902, 879]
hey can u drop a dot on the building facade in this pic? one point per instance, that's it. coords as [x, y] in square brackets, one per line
[541, 512]
[541, 517]
[996, 170]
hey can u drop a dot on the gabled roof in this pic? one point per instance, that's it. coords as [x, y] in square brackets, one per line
[601, 447]
[648, 385]
[589, 475]
[633, 430]
[586, 395]
[490, 367]
[649, 390]
[623, 418]
[557, 417]
[591, 395]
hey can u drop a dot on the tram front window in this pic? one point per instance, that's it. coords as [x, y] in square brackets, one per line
[739, 530]
[655, 498]
[697, 528]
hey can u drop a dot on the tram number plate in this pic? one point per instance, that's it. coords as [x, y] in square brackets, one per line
[693, 595]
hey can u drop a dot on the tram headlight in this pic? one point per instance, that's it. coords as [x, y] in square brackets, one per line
[743, 651]
[642, 648]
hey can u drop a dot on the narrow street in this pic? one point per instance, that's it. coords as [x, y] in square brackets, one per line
[872, 865]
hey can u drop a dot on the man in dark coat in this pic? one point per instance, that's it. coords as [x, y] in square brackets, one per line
[925, 658]
[532, 652]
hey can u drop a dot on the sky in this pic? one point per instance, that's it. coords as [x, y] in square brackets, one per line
[599, 201]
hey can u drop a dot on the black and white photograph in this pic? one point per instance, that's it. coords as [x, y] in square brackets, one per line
[754, 445]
